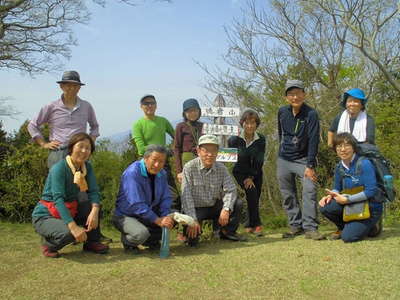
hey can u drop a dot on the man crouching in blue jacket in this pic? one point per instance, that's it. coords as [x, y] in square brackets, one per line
[144, 201]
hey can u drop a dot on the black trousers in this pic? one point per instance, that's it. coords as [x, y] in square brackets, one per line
[213, 213]
[253, 202]
[176, 198]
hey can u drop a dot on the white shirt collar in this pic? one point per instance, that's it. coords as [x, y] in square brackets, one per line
[343, 164]
[256, 137]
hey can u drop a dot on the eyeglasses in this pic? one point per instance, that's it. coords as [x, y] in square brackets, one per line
[294, 94]
[149, 103]
[343, 146]
[209, 152]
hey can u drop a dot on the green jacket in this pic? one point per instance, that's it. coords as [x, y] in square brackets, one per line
[60, 188]
[147, 132]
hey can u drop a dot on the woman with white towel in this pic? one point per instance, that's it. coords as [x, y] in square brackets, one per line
[353, 119]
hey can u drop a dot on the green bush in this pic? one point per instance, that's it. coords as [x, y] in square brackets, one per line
[21, 182]
[108, 167]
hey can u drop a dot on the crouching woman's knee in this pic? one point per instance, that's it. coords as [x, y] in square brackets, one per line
[350, 237]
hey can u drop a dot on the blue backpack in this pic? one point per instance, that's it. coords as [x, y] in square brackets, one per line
[382, 168]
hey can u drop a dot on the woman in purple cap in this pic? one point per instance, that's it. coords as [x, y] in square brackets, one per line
[353, 119]
[187, 134]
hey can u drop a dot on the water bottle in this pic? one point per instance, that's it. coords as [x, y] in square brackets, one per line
[164, 249]
[388, 182]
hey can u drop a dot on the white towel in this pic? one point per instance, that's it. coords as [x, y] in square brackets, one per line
[360, 125]
[182, 219]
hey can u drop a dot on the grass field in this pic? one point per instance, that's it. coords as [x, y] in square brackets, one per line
[262, 268]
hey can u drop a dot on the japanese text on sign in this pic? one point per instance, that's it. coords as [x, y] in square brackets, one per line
[220, 111]
[220, 129]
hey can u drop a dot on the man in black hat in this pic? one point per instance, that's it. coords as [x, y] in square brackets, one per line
[66, 116]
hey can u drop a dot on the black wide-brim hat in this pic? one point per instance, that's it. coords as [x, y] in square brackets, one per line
[71, 77]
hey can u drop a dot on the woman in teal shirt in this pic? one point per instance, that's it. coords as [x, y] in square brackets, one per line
[69, 207]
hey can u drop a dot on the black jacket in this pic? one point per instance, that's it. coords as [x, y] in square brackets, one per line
[298, 135]
[250, 159]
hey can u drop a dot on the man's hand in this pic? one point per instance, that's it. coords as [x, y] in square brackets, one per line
[223, 217]
[165, 222]
[53, 145]
[78, 232]
[310, 173]
[193, 231]
[248, 183]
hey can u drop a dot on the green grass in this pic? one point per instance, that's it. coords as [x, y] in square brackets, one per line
[262, 268]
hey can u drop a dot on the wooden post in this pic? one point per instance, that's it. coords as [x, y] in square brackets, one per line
[219, 101]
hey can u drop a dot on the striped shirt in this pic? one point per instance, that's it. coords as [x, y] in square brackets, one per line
[64, 122]
[202, 187]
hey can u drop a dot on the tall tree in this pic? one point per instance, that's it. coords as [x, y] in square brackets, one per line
[372, 28]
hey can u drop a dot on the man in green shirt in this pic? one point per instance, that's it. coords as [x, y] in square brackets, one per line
[151, 130]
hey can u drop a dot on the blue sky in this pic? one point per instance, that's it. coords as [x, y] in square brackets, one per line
[126, 52]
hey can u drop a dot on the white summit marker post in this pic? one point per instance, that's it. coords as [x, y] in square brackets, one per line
[219, 128]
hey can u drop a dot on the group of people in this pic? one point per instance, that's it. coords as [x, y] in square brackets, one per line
[69, 208]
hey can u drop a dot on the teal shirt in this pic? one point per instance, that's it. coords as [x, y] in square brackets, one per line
[147, 132]
[60, 188]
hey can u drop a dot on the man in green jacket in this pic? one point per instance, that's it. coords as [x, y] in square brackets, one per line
[150, 129]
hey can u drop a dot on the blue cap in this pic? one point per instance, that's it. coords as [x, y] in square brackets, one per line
[355, 93]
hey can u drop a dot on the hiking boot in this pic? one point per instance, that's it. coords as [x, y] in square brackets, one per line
[293, 233]
[337, 235]
[104, 239]
[192, 242]
[95, 247]
[376, 229]
[153, 246]
[258, 231]
[314, 235]
[232, 236]
[49, 253]
[131, 249]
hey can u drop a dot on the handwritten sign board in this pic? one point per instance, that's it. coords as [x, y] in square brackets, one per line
[220, 111]
[227, 155]
[220, 129]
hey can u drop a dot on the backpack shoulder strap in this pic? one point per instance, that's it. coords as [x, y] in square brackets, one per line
[358, 165]
[341, 173]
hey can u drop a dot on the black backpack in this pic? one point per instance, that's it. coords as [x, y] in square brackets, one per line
[382, 168]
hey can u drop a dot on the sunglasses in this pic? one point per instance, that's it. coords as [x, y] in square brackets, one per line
[149, 103]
